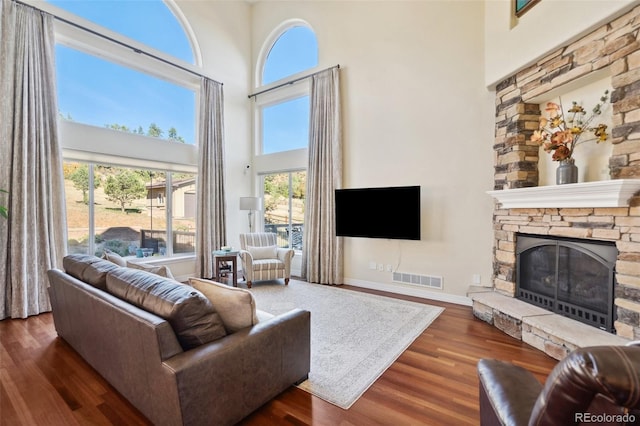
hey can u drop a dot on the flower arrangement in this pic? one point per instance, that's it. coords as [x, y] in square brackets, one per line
[562, 136]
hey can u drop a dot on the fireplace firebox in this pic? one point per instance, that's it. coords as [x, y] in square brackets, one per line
[573, 278]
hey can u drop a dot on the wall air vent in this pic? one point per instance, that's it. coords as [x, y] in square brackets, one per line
[429, 281]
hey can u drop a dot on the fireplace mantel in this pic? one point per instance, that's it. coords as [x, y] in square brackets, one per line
[606, 193]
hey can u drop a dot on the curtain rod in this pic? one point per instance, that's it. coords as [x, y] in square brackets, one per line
[295, 80]
[121, 43]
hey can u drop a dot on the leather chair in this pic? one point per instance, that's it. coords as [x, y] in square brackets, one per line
[591, 385]
[262, 259]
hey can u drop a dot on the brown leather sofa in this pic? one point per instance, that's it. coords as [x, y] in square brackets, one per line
[173, 373]
[592, 385]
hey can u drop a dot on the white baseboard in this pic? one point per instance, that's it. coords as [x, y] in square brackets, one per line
[409, 290]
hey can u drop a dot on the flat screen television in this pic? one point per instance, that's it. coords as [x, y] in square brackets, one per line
[391, 212]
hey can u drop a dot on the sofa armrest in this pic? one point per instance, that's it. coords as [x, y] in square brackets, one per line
[587, 377]
[285, 255]
[247, 264]
[508, 393]
[225, 380]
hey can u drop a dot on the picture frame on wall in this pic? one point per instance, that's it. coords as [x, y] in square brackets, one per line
[522, 6]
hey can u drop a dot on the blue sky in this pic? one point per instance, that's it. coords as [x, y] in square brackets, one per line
[97, 92]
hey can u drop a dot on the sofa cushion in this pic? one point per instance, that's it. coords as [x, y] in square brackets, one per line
[191, 315]
[266, 252]
[161, 270]
[236, 306]
[90, 269]
[114, 257]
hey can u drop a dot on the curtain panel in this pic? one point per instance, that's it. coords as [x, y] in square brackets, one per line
[211, 218]
[33, 239]
[322, 260]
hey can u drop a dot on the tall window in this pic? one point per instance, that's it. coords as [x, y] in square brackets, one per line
[294, 51]
[283, 115]
[131, 209]
[126, 187]
[284, 201]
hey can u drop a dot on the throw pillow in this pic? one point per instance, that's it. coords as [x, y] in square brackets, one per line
[236, 306]
[193, 318]
[161, 270]
[114, 257]
[266, 252]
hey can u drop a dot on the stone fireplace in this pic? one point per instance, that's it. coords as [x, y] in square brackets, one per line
[572, 277]
[606, 211]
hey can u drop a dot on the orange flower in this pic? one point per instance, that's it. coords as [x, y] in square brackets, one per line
[537, 136]
[561, 153]
[562, 137]
[552, 109]
[543, 122]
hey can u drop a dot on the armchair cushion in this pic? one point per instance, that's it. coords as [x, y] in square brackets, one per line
[266, 252]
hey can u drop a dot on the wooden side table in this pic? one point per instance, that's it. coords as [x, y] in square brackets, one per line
[221, 257]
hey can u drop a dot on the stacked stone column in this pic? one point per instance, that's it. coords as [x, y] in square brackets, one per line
[612, 48]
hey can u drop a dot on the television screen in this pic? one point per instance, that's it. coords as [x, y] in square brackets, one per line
[392, 212]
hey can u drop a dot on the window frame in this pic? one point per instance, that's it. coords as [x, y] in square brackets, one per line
[100, 145]
[290, 173]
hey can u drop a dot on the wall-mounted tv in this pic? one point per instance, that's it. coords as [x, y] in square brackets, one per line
[390, 212]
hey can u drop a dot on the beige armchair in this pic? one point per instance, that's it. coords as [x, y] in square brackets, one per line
[262, 259]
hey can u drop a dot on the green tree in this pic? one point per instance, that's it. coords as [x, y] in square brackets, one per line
[124, 187]
[120, 127]
[154, 131]
[80, 179]
[173, 135]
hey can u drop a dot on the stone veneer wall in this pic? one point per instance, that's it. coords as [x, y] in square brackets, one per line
[613, 46]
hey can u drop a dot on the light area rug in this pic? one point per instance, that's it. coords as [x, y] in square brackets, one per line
[355, 336]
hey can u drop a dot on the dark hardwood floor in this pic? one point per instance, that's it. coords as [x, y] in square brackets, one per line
[434, 382]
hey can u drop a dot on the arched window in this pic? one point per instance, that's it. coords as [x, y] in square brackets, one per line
[284, 113]
[294, 51]
[283, 120]
[127, 186]
[150, 22]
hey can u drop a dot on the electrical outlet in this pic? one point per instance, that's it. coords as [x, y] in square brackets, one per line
[380, 267]
[373, 265]
[389, 268]
[477, 279]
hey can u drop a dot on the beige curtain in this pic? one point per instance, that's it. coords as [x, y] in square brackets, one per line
[322, 258]
[33, 239]
[211, 228]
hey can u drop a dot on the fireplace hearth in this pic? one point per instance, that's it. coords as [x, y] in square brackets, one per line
[571, 277]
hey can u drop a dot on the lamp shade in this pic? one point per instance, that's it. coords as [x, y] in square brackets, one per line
[250, 203]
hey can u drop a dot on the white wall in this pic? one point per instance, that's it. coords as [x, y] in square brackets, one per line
[415, 112]
[223, 34]
[513, 43]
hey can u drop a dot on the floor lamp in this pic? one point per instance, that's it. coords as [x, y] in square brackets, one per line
[252, 204]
